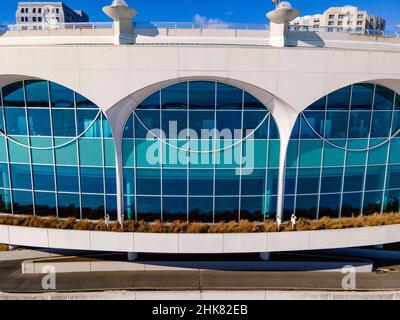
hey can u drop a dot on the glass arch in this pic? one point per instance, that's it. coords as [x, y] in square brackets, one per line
[56, 153]
[200, 151]
[343, 156]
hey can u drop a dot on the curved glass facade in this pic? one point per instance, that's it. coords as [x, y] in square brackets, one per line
[343, 157]
[200, 151]
[56, 153]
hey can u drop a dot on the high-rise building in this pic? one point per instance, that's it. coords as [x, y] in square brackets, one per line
[38, 13]
[345, 18]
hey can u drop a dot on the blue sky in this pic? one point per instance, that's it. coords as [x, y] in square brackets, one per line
[249, 11]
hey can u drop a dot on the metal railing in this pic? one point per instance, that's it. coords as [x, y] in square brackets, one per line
[51, 26]
[194, 25]
[361, 31]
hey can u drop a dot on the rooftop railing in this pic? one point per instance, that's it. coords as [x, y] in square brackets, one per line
[50, 26]
[194, 25]
[362, 31]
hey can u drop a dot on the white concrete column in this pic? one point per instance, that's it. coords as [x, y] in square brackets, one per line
[278, 34]
[132, 256]
[265, 256]
[120, 180]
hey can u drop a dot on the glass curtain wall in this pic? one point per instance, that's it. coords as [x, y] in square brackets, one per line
[200, 151]
[56, 153]
[343, 157]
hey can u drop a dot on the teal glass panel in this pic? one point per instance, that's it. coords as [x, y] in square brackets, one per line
[381, 124]
[228, 97]
[66, 154]
[362, 96]
[22, 202]
[89, 121]
[147, 120]
[64, 123]
[129, 181]
[253, 120]
[128, 130]
[16, 121]
[42, 156]
[129, 206]
[90, 152]
[356, 158]
[375, 178]
[310, 153]
[306, 207]
[340, 99]
[3, 149]
[316, 120]
[351, 204]
[384, 98]
[354, 179]
[394, 156]
[270, 207]
[202, 95]
[93, 207]
[17, 152]
[148, 154]
[68, 205]
[359, 124]
[273, 154]
[175, 209]
[308, 181]
[45, 204]
[272, 181]
[395, 123]
[229, 156]
[336, 125]
[174, 154]
[107, 132]
[331, 180]
[329, 206]
[109, 152]
[127, 153]
[13, 95]
[37, 93]
[61, 97]
[292, 154]
[148, 208]
[334, 156]
[378, 155]
[5, 201]
[372, 202]
[82, 102]
[392, 201]
[175, 96]
[202, 159]
[4, 180]
[256, 150]
[39, 122]
[393, 177]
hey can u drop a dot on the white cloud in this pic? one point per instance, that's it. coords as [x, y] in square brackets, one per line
[204, 22]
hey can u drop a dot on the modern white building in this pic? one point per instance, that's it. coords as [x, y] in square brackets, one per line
[347, 17]
[96, 122]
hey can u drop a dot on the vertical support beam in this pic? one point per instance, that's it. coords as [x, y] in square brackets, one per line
[119, 178]
[278, 34]
[284, 143]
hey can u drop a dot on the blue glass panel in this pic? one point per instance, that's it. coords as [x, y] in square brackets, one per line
[226, 182]
[5, 201]
[200, 209]
[251, 208]
[22, 202]
[290, 181]
[362, 96]
[151, 120]
[93, 207]
[67, 179]
[254, 183]
[392, 201]
[375, 178]
[45, 204]
[372, 202]
[201, 120]
[354, 179]
[395, 123]
[253, 120]
[306, 207]
[174, 209]
[128, 131]
[306, 131]
[201, 95]
[336, 124]
[357, 157]
[111, 181]
[397, 103]
[393, 177]
[230, 120]
[86, 119]
[82, 102]
[68, 205]
[61, 97]
[39, 122]
[174, 97]
[129, 205]
[310, 153]
[21, 176]
[174, 182]
[201, 182]
[329, 206]
[292, 154]
[378, 155]
[351, 204]
[129, 181]
[340, 99]
[252, 103]
[37, 93]
[308, 181]
[3, 151]
[359, 124]
[13, 95]
[15, 121]
[43, 178]
[2, 126]
[272, 182]
[288, 207]
[270, 207]
[148, 181]
[152, 102]
[316, 119]
[4, 180]
[273, 153]
[111, 208]
[229, 97]
[318, 105]
[64, 123]
[273, 129]
[148, 208]
[331, 180]
[226, 209]
[296, 129]
[381, 124]
[174, 123]
[384, 98]
[92, 180]
[394, 156]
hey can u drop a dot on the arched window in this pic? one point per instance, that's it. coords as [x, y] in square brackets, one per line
[200, 151]
[56, 153]
[343, 157]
